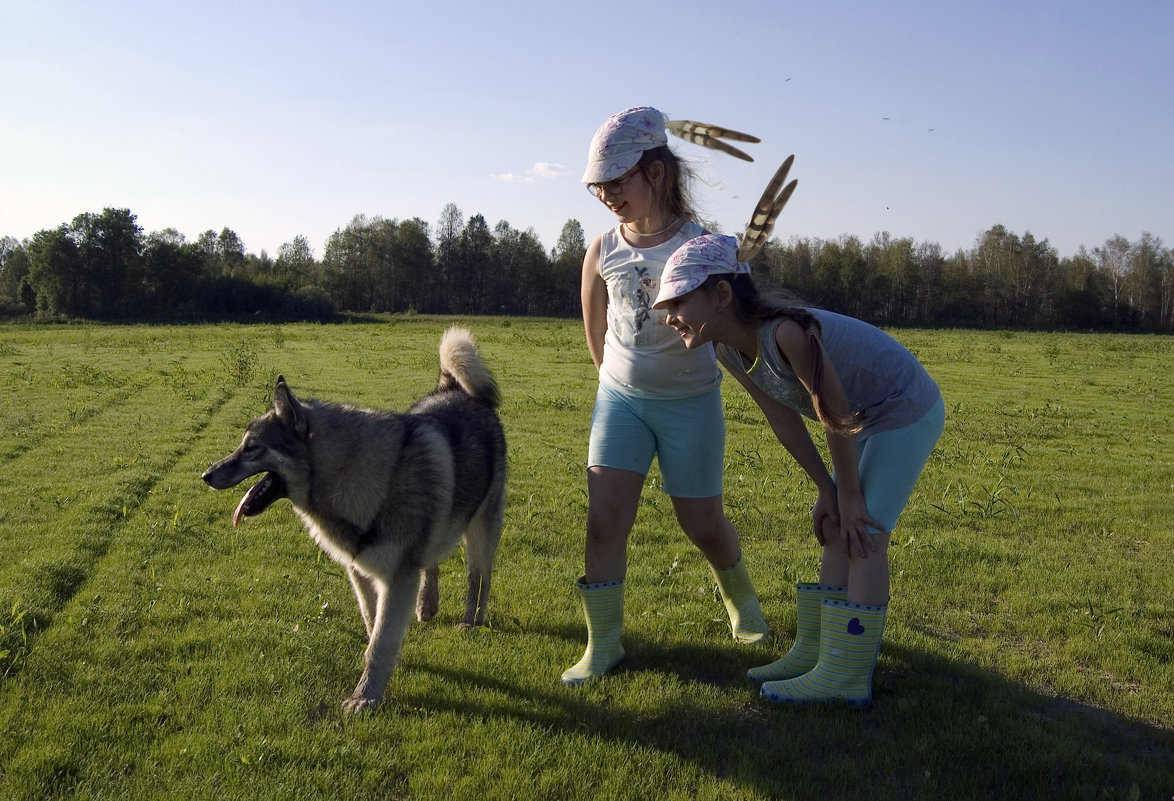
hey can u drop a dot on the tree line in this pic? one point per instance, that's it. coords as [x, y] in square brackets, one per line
[1004, 281]
[102, 266]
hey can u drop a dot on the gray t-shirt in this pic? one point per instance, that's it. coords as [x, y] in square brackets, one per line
[880, 376]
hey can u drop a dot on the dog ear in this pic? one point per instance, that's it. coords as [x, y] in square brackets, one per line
[286, 406]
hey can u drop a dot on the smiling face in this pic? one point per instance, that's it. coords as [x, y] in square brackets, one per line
[632, 197]
[697, 315]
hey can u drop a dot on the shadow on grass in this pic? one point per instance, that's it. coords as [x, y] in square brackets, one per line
[937, 729]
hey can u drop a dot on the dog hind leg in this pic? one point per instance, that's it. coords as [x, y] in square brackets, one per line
[393, 613]
[481, 538]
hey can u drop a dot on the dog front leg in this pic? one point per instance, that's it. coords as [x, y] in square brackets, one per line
[393, 613]
[366, 594]
[428, 598]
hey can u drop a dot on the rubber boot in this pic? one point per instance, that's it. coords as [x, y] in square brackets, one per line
[850, 638]
[741, 602]
[804, 652]
[603, 606]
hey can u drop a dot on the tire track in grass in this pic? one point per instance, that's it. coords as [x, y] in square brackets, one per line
[52, 385]
[75, 420]
[121, 655]
[66, 500]
[96, 670]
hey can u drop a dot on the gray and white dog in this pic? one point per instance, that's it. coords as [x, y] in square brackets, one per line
[387, 495]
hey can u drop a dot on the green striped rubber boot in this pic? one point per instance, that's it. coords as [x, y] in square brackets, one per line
[850, 639]
[746, 620]
[603, 606]
[804, 652]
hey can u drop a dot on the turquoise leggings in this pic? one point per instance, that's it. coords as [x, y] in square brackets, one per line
[891, 462]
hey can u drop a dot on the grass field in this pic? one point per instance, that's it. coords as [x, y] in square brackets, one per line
[149, 650]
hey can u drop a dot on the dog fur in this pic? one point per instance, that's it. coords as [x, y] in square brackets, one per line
[387, 495]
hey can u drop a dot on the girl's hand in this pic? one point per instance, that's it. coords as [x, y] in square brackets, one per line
[825, 516]
[855, 522]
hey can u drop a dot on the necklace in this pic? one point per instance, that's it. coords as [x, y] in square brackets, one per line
[628, 228]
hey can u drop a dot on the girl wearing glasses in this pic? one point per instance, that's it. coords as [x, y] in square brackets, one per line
[656, 397]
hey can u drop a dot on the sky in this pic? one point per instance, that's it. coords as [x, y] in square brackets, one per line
[931, 120]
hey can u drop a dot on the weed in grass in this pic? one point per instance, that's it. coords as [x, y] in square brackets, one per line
[14, 638]
[240, 362]
[926, 542]
[179, 524]
[1012, 457]
[1095, 617]
[984, 501]
[748, 459]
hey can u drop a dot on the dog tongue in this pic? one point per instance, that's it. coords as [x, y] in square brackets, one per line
[248, 503]
[240, 509]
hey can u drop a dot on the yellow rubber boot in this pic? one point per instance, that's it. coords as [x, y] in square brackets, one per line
[850, 639]
[746, 620]
[603, 606]
[804, 652]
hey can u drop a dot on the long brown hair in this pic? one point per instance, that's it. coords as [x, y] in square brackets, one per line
[751, 304]
[672, 194]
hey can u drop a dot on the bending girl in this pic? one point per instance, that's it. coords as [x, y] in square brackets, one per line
[882, 415]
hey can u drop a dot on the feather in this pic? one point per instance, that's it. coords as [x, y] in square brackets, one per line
[770, 205]
[700, 133]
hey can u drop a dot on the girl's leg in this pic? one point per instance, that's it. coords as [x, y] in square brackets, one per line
[691, 437]
[834, 566]
[619, 454]
[890, 465]
[867, 578]
[705, 523]
[614, 497]
[851, 631]
[618, 457]
[690, 444]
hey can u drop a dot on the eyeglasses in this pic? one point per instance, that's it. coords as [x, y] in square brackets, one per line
[613, 187]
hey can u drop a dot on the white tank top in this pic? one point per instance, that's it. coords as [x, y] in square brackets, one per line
[642, 356]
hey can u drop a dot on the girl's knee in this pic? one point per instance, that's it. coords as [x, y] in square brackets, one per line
[608, 525]
[708, 531]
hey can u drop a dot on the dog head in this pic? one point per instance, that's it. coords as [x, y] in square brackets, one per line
[274, 444]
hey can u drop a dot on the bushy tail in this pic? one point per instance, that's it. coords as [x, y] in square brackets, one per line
[461, 368]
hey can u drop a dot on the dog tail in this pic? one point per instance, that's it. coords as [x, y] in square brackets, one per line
[461, 368]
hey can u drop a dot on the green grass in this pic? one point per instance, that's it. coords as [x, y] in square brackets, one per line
[149, 650]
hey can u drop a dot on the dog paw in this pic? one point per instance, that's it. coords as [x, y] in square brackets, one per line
[359, 703]
[426, 611]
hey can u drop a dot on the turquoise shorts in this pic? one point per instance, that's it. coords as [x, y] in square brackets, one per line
[686, 435]
[891, 462]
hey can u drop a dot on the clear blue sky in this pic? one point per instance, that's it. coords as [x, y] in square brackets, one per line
[933, 120]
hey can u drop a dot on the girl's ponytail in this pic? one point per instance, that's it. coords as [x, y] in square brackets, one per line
[755, 305]
[846, 426]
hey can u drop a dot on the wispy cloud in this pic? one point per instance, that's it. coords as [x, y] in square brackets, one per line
[541, 170]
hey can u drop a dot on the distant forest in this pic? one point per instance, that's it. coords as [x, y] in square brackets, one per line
[101, 266]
